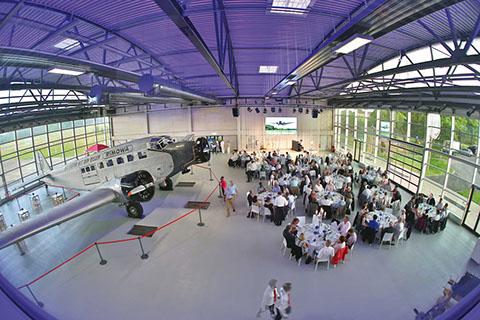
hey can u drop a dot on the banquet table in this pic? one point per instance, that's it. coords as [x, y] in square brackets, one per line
[384, 218]
[333, 199]
[428, 210]
[312, 237]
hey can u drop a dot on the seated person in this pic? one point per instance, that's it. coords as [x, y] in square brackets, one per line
[327, 252]
[340, 244]
[276, 187]
[371, 230]
[373, 224]
[261, 188]
[389, 229]
[252, 199]
[351, 238]
[431, 200]
[344, 226]
[290, 237]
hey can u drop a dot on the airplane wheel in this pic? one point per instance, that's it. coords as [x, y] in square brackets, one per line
[168, 185]
[134, 210]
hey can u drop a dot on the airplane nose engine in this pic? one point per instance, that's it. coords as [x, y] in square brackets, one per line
[138, 186]
[202, 150]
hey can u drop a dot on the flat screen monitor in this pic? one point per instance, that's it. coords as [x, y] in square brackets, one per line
[280, 125]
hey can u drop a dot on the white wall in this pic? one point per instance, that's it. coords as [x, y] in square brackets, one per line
[248, 129]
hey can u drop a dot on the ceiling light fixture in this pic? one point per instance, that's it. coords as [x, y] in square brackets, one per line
[300, 110]
[257, 110]
[264, 110]
[353, 43]
[267, 69]
[67, 72]
[249, 109]
[272, 109]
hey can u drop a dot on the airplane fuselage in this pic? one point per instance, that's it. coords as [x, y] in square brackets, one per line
[108, 166]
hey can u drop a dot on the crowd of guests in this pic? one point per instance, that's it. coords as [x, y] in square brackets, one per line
[305, 175]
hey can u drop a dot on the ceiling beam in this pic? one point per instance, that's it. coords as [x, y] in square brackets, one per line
[176, 13]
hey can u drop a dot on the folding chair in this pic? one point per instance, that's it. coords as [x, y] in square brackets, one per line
[255, 209]
[387, 237]
[284, 246]
[319, 260]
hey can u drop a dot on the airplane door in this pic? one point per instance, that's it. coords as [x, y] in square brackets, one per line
[90, 175]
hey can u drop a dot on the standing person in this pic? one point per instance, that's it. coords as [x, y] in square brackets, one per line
[230, 195]
[283, 305]
[223, 186]
[222, 146]
[280, 204]
[228, 146]
[270, 296]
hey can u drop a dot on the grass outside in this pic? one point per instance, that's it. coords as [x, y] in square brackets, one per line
[476, 195]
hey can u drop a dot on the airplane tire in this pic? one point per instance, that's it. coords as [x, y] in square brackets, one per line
[168, 185]
[134, 210]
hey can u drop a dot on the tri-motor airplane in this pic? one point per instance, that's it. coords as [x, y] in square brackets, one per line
[281, 123]
[126, 173]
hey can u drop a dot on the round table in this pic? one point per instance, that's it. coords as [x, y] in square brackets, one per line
[384, 219]
[313, 237]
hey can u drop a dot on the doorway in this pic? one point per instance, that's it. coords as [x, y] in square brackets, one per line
[472, 212]
[357, 149]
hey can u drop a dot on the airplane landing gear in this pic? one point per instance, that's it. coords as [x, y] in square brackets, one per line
[134, 210]
[167, 185]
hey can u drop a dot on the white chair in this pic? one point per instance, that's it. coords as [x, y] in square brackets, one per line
[284, 246]
[319, 260]
[263, 175]
[255, 209]
[402, 237]
[301, 222]
[291, 209]
[263, 212]
[388, 210]
[387, 237]
[315, 220]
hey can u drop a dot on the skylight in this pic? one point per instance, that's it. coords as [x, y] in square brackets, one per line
[267, 69]
[290, 6]
[67, 43]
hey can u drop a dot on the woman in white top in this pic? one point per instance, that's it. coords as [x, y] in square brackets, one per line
[283, 304]
[318, 187]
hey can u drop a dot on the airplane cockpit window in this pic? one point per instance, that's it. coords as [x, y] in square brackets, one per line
[120, 160]
[110, 163]
[83, 170]
[142, 155]
[129, 157]
[100, 165]
[92, 168]
[159, 143]
[87, 169]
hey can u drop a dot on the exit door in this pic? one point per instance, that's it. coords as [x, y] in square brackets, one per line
[357, 149]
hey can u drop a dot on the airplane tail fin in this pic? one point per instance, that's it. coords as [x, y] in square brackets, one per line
[42, 163]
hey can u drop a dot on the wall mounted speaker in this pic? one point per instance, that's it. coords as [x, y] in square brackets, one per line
[235, 112]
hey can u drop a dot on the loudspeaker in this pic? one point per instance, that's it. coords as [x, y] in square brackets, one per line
[235, 112]
[315, 113]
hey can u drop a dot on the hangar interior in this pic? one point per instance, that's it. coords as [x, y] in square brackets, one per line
[105, 106]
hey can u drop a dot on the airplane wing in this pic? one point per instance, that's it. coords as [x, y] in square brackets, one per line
[57, 215]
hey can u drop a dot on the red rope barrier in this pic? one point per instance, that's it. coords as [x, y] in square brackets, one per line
[119, 240]
[58, 266]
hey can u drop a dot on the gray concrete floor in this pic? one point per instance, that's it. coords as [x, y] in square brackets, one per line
[220, 271]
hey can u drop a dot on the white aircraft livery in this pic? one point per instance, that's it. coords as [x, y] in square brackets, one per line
[127, 173]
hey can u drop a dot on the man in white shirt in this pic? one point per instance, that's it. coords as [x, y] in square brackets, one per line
[344, 226]
[318, 187]
[327, 252]
[281, 205]
[270, 297]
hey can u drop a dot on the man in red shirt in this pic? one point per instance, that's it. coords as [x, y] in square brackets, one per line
[223, 186]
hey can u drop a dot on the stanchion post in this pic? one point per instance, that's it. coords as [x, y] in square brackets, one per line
[209, 157]
[211, 178]
[191, 170]
[102, 261]
[144, 255]
[200, 224]
[64, 194]
[40, 304]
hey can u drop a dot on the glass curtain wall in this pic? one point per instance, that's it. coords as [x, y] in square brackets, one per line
[58, 142]
[443, 149]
